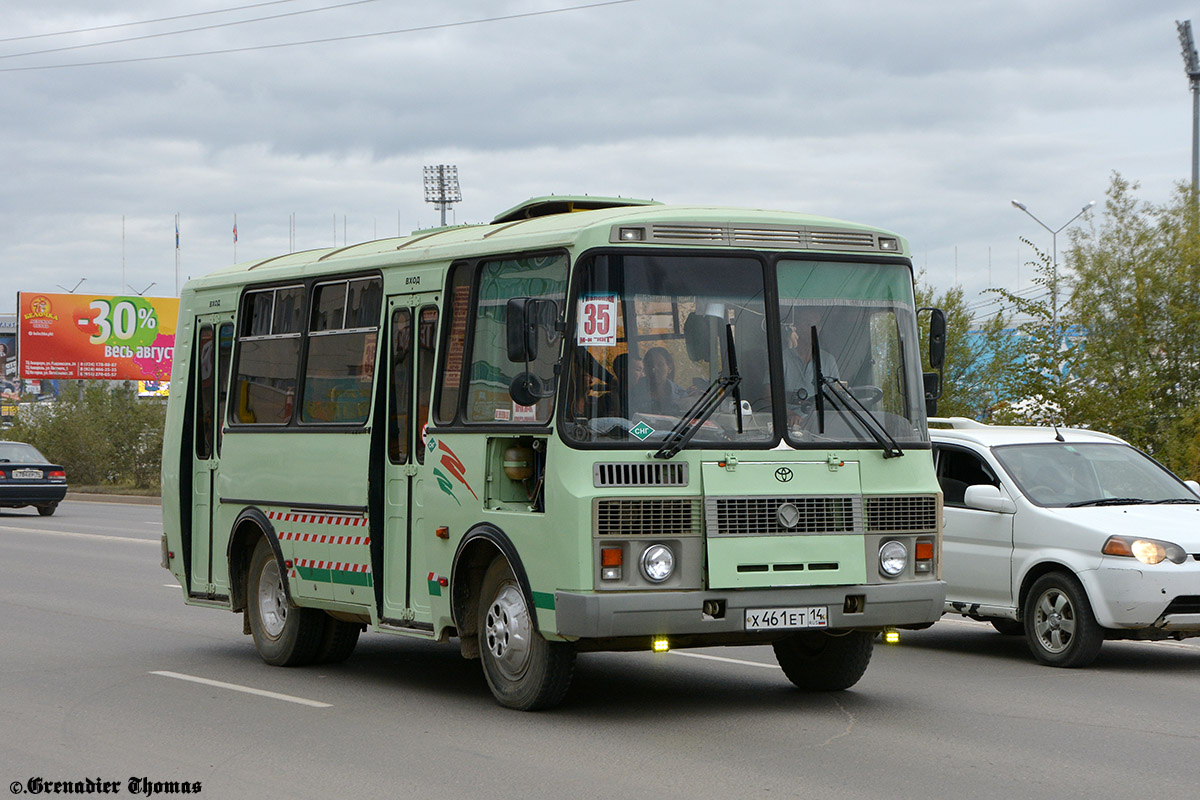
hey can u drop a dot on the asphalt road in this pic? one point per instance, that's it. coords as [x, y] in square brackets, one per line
[100, 662]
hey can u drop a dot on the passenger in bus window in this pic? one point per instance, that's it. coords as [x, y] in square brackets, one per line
[657, 392]
[799, 380]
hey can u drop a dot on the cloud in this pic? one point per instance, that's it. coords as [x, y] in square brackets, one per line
[925, 118]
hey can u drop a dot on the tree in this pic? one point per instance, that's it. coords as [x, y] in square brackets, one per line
[1136, 294]
[104, 435]
[1043, 347]
[977, 377]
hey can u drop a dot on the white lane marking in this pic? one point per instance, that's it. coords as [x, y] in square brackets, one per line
[99, 536]
[725, 660]
[172, 586]
[248, 690]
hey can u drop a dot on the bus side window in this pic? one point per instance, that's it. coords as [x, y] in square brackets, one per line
[339, 369]
[458, 296]
[204, 389]
[492, 373]
[400, 388]
[426, 339]
[268, 356]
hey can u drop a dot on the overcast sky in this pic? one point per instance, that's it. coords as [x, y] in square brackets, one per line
[927, 118]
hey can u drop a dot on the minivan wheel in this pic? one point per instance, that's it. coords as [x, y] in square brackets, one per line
[1059, 624]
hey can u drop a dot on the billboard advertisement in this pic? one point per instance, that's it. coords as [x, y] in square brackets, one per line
[85, 337]
[10, 386]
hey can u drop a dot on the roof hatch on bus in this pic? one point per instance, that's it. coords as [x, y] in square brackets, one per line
[565, 204]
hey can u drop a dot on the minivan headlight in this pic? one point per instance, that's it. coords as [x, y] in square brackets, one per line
[1147, 551]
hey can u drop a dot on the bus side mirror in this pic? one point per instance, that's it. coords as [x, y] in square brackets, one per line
[932, 381]
[699, 333]
[520, 327]
[937, 337]
[933, 390]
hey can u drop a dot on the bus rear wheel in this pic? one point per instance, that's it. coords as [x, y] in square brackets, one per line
[822, 662]
[523, 670]
[284, 635]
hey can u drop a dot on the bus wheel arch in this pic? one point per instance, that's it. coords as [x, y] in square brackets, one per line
[250, 526]
[482, 545]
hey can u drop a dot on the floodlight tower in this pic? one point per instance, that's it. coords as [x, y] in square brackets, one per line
[1191, 65]
[441, 187]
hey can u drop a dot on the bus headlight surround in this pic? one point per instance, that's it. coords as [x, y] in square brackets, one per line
[657, 563]
[893, 558]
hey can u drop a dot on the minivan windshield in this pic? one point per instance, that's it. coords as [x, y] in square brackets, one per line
[1068, 475]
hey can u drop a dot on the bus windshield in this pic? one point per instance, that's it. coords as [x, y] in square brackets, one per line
[652, 335]
[866, 355]
[652, 349]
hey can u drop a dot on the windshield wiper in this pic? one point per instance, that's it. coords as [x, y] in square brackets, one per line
[1109, 501]
[1173, 501]
[689, 424]
[891, 448]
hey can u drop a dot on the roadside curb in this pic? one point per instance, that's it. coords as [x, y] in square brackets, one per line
[134, 499]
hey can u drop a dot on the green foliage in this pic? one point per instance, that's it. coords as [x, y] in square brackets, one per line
[1136, 291]
[979, 371]
[1044, 350]
[101, 434]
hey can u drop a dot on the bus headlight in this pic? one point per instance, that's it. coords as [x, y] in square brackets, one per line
[893, 558]
[658, 562]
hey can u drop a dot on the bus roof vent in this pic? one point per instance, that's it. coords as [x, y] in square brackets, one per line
[565, 204]
[783, 237]
[842, 240]
[770, 237]
[639, 474]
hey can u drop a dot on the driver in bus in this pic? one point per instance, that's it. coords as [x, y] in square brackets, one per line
[799, 379]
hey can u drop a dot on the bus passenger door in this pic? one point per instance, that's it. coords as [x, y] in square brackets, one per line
[412, 326]
[214, 347]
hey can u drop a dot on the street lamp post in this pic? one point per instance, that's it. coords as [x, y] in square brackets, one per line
[1054, 255]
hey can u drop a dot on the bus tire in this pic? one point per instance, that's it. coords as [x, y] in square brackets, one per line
[822, 662]
[338, 641]
[284, 635]
[523, 670]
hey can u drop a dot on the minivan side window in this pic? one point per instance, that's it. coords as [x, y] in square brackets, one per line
[958, 469]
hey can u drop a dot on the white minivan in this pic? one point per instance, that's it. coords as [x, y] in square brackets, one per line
[1068, 536]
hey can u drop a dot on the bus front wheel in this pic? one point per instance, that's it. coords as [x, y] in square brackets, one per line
[823, 662]
[284, 635]
[523, 670]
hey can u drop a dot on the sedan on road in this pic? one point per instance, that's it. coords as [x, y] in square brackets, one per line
[1069, 537]
[27, 478]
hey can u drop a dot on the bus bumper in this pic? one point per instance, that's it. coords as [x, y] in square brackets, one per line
[602, 615]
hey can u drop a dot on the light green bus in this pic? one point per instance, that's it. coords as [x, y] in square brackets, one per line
[593, 424]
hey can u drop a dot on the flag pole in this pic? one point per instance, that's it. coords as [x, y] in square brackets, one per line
[177, 254]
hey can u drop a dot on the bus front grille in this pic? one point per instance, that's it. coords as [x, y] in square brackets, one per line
[654, 517]
[901, 513]
[640, 474]
[782, 516]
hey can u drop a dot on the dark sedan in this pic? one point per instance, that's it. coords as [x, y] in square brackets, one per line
[28, 479]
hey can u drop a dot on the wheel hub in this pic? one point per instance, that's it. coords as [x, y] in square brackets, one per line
[507, 632]
[272, 600]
